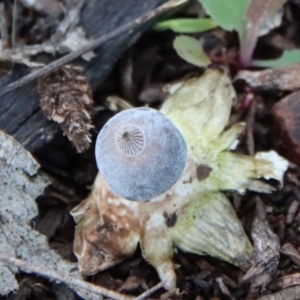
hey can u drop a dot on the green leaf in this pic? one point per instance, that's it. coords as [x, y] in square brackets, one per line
[288, 57]
[190, 50]
[228, 14]
[187, 25]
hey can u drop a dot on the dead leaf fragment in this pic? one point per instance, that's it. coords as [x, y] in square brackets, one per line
[285, 281]
[286, 116]
[285, 79]
[133, 283]
[292, 210]
[224, 288]
[290, 251]
[266, 249]
[291, 293]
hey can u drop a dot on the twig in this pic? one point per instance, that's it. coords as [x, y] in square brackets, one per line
[90, 46]
[53, 275]
[72, 282]
[249, 128]
[14, 23]
[4, 27]
[150, 291]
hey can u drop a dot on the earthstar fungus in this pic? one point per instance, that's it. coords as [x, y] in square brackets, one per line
[140, 153]
[110, 227]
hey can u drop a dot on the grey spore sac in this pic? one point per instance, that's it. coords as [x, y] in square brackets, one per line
[140, 153]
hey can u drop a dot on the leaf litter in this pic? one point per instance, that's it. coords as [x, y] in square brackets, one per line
[21, 246]
[284, 79]
[266, 249]
[21, 183]
[201, 275]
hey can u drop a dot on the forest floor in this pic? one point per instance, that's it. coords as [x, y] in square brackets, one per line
[137, 79]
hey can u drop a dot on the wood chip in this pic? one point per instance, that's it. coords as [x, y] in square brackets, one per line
[266, 249]
[285, 281]
[292, 253]
[286, 130]
[286, 79]
[292, 210]
[291, 293]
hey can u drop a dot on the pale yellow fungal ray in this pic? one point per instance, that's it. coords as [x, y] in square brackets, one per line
[192, 214]
[200, 107]
[209, 226]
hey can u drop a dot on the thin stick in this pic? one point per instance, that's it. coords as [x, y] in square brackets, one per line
[4, 27]
[53, 275]
[250, 119]
[90, 46]
[150, 291]
[14, 23]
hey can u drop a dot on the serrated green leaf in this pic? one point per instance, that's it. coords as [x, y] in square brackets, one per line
[288, 57]
[228, 14]
[187, 25]
[190, 50]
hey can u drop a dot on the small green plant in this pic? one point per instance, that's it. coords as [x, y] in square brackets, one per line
[229, 14]
[187, 25]
[288, 57]
[190, 49]
[249, 18]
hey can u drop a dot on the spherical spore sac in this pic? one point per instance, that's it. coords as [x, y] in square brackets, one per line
[140, 153]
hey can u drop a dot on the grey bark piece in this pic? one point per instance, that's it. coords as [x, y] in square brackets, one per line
[20, 184]
[20, 115]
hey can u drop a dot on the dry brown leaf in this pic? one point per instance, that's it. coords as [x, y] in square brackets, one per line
[286, 79]
[286, 116]
[291, 293]
[133, 283]
[266, 249]
[292, 210]
[285, 281]
[224, 289]
[290, 251]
